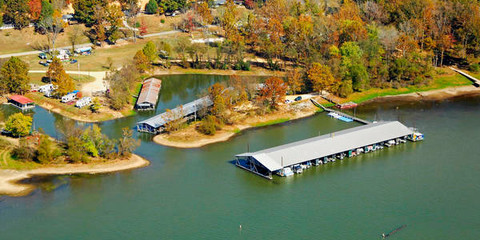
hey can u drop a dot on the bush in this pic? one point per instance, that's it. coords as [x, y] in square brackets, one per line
[23, 151]
[162, 20]
[208, 126]
[474, 67]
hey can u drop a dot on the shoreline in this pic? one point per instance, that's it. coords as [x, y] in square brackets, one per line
[9, 178]
[430, 95]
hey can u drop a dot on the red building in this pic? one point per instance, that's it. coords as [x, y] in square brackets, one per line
[21, 102]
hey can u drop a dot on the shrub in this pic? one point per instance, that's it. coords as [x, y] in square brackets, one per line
[162, 20]
[208, 126]
[474, 67]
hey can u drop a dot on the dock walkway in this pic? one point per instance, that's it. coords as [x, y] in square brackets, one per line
[339, 113]
[475, 81]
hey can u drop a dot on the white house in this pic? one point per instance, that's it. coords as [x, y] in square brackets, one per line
[85, 101]
[69, 97]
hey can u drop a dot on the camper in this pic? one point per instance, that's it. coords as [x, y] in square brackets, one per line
[69, 97]
[83, 51]
[85, 101]
[45, 88]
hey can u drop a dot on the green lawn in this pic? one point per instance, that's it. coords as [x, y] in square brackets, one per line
[272, 122]
[439, 82]
[36, 78]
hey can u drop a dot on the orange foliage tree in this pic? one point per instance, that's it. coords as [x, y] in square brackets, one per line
[273, 92]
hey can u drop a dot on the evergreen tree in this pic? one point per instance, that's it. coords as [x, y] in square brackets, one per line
[17, 13]
[151, 7]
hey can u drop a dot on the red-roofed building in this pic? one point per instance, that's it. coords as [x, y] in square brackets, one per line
[21, 102]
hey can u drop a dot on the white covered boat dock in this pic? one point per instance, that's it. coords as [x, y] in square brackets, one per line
[321, 149]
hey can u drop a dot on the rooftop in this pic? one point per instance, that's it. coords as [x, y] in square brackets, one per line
[21, 99]
[317, 147]
[150, 90]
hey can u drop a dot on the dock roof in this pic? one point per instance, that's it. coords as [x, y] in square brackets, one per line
[322, 146]
[149, 93]
[179, 112]
[20, 99]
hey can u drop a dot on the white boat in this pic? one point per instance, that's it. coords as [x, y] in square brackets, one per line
[285, 172]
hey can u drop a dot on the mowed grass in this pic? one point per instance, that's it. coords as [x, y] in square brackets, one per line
[272, 122]
[154, 23]
[120, 54]
[36, 78]
[439, 82]
[13, 41]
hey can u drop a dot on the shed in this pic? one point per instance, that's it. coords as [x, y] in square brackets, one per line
[148, 97]
[21, 102]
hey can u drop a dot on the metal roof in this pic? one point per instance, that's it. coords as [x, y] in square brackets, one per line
[20, 99]
[150, 90]
[179, 112]
[318, 147]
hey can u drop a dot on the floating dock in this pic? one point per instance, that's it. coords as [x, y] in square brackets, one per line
[475, 81]
[21, 102]
[341, 114]
[325, 148]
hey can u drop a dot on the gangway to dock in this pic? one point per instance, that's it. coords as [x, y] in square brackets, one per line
[475, 81]
[339, 113]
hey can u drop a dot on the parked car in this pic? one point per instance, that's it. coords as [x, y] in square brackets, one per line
[44, 63]
[298, 98]
[42, 55]
[73, 61]
[288, 101]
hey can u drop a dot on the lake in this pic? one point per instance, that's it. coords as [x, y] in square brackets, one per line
[432, 186]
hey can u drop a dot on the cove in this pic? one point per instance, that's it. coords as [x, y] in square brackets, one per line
[432, 186]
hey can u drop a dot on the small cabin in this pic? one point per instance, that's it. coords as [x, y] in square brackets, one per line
[85, 101]
[21, 102]
[69, 97]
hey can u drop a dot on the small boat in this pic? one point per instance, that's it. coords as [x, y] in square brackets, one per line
[297, 169]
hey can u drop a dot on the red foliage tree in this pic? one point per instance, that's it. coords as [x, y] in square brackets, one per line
[35, 7]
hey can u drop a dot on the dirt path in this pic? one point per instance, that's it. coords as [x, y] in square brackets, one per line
[97, 85]
[9, 178]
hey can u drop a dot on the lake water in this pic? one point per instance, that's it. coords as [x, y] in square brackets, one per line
[433, 186]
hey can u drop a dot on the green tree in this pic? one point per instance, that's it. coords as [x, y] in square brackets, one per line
[76, 150]
[95, 107]
[150, 50]
[47, 10]
[46, 150]
[121, 84]
[18, 124]
[17, 13]
[84, 10]
[14, 76]
[151, 7]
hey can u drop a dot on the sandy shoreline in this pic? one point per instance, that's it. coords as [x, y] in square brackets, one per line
[223, 136]
[437, 94]
[9, 178]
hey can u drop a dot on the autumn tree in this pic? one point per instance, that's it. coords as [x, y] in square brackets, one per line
[321, 77]
[14, 76]
[273, 92]
[141, 61]
[47, 151]
[202, 10]
[60, 78]
[127, 144]
[52, 26]
[18, 124]
[74, 36]
[121, 84]
[35, 7]
[294, 80]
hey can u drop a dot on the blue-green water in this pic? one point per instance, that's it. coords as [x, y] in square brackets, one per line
[433, 186]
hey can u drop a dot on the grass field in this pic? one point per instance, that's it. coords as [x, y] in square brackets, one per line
[13, 41]
[36, 78]
[272, 122]
[439, 82]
